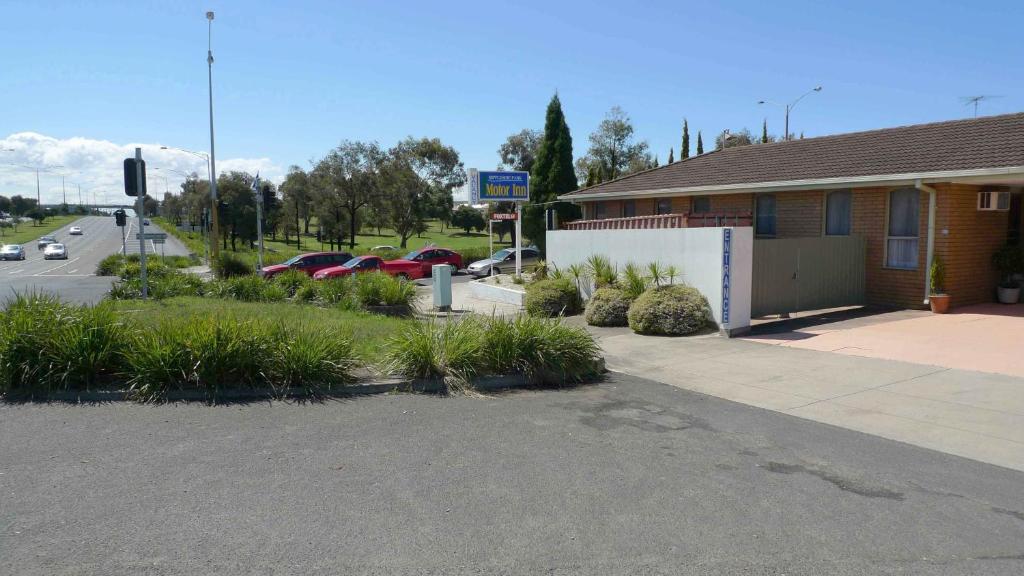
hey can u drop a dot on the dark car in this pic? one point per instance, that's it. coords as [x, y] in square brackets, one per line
[45, 241]
[308, 263]
[431, 255]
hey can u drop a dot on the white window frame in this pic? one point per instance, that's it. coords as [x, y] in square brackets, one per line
[888, 214]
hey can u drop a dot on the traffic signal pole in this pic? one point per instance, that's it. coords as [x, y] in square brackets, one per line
[140, 204]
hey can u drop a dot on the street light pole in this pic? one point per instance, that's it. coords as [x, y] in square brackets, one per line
[790, 106]
[215, 221]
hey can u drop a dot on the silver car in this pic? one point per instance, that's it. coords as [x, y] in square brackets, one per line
[503, 261]
[12, 252]
[55, 252]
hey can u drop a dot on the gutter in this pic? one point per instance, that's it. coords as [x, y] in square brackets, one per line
[930, 253]
[907, 179]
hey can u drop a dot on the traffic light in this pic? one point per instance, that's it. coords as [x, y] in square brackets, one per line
[120, 218]
[131, 184]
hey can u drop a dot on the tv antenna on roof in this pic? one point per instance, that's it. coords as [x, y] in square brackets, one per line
[968, 100]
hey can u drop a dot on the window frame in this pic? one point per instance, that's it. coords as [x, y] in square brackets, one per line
[775, 217]
[693, 204]
[824, 212]
[658, 205]
[622, 208]
[888, 225]
[600, 210]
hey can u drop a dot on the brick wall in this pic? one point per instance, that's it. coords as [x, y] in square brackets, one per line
[798, 214]
[888, 286]
[965, 239]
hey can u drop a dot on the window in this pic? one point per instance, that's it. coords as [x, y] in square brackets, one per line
[904, 220]
[600, 211]
[628, 208]
[838, 213]
[764, 214]
[663, 206]
[700, 205]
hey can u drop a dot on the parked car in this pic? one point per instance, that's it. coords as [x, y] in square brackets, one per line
[308, 263]
[431, 255]
[401, 268]
[55, 252]
[45, 241]
[382, 247]
[145, 221]
[75, 231]
[12, 252]
[504, 261]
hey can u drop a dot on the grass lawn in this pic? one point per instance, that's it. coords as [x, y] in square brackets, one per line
[453, 238]
[368, 331]
[28, 231]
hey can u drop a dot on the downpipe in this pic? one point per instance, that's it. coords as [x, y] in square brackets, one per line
[930, 252]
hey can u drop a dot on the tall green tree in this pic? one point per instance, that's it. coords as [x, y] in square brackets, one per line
[347, 179]
[671, 156]
[519, 151]
[613, 149]
[419, 176]
[764, 131]
[700, 144]
[551, 175]
[684, 152]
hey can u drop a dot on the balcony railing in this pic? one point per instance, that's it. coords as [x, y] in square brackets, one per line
[685, 220]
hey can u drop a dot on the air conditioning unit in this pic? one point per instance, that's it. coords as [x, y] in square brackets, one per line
[992, 201]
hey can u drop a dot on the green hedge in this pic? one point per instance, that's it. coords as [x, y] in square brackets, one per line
[670, 310]
[550, 298]
[608, 307]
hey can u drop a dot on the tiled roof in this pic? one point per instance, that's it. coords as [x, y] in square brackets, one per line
[977, 143]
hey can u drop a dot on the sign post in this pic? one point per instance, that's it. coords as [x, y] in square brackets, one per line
[135, 185]
[503, 187]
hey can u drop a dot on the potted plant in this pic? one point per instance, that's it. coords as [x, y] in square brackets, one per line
[1009, 260]
[937, 298]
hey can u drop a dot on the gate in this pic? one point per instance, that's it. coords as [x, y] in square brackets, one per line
[797, 274]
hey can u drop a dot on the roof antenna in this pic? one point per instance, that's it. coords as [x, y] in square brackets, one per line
[968, 100]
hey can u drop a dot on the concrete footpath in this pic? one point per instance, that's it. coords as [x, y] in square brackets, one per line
[971, 414]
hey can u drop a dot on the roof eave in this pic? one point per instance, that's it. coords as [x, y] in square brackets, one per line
[973, 175]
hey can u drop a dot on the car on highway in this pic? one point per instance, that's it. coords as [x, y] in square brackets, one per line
[430, 255]
[404, 269]
[504, 261]
[145, 221]
[45, 241]
[56, 251]
[75, 231]
[12, 252]
[308, 263]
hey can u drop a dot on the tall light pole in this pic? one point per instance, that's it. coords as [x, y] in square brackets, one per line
[214, 220]
[790, 106]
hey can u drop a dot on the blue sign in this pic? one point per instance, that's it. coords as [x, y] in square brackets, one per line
[726, 280]
[499, 186]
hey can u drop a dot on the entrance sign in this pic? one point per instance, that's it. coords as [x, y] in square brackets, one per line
[726, 274]
[499, 186]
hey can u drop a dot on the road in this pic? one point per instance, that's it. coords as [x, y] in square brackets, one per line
[75, 279]
[624, 477]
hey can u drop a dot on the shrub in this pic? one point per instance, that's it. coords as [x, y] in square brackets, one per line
[1008, 260]
[292, 280]
[608, 307]
[251, 288]
[338, 292]
[113, 265]
[312, 359]
[674, 310]
[229, 265]
[634, 281]
[601, 271]
[450, 350]
[543, 350]
[307, 293]
[378, 289]
[549, 298]
[470, 255]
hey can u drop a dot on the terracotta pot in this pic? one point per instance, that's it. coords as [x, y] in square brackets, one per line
[939, 303]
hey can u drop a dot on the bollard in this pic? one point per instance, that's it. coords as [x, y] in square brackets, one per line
[442, 274]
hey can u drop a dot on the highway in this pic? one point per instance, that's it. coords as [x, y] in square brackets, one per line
[74, 279]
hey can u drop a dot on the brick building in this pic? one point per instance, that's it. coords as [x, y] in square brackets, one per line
[950, 190]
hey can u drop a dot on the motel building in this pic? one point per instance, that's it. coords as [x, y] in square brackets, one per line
[843, 220]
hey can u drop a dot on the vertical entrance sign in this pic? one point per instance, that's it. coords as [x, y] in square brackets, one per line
[499, 186]
[726, 274]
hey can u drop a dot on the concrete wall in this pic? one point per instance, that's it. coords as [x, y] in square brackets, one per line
[697, 252]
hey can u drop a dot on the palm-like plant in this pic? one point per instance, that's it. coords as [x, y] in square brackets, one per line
[634, 281]
[672, 273]
[656, 272]
[577, 272]
[600, 270]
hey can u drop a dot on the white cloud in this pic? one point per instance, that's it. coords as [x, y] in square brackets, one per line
[96, 165]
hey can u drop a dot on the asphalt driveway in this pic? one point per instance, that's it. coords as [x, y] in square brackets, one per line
[625, 477]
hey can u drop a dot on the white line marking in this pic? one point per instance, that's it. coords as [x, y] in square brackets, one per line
[12, 272]
[72, 271]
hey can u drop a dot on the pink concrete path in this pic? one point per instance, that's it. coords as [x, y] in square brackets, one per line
[985, 338]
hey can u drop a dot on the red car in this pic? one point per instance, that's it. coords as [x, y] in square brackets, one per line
[402, 268]
[308, 263]
[431, 255]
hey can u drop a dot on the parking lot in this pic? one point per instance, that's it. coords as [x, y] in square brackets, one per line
[623, 477]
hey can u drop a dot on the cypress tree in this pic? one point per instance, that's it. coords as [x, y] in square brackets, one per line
[671, 156]
[655, 162]
[700, 144]
[552, 175]
[764, 132]
[684, 152]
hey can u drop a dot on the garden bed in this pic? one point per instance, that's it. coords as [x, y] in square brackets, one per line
[499, 288]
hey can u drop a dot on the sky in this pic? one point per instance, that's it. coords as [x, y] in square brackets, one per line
[82, 83]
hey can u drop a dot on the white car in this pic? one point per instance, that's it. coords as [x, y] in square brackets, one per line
[504, 260]
[55, 252]
[75, 231]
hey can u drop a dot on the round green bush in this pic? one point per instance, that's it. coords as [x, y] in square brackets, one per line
[608, 307]
[669, 310]
[550, 298]
[230, 265]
